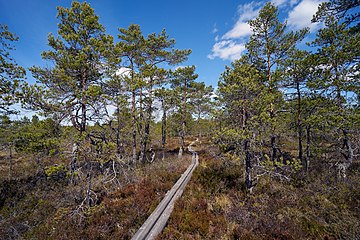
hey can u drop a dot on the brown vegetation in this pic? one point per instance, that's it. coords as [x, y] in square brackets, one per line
[45, 206]
[216, 205]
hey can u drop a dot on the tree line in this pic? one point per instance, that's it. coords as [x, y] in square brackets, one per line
[278, 108]
[98, 97]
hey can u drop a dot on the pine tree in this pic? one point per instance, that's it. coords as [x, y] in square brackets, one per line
[182, 82]
[201, 102]
[296, 73]
[131, 46]
[167, 98]
[10, 72]
[143, 56]
[241, 92]
[337, 59]
[270, 44]
[72, 87]
[344, 10]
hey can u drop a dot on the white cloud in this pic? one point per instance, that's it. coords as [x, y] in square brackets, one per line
[300, 16]
[227, 50]
[123, 72]
[231, 45]
[284, 3]
[278, 2]
[249, 11]
[241, 28]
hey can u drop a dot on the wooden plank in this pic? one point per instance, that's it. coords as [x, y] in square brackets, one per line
[159, 217]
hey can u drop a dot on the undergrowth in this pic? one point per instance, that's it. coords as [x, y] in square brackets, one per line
[215, 205]
[44, 205]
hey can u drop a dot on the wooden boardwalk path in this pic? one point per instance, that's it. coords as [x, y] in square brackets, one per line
[159, 217]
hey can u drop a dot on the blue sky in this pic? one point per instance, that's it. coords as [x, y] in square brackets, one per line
[215, 30]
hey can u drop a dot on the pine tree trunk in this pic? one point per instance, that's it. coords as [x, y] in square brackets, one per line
[244, 118]
[133, 126]
[198, 125]
[118, 142]
[182, 139]
[73, 162]
[308, 142]
[88, 189]
[145, 140]
[273, 148]
[349, 156]
[182, 133]
[10, 162]
[272, 110]
[147, 121]
[163, 130]
[248, 178]
[82, 130]
[141, 116]
[83, 118]
[299, 124]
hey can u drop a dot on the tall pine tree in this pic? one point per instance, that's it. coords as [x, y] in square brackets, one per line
[270, 44]
[72, 87]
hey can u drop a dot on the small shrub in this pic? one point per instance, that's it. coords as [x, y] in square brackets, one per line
[56, 172]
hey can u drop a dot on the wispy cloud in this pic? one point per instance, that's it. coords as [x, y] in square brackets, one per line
[215, 29]
[231, 45]
[284, 3]
[300, 16]
[241, 28]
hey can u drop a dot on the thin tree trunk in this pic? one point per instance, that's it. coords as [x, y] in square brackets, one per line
[272, 111]
[83, 117]
[182, 134]
[118, 142]
[141, 115]
[133, 126]
[349, 156]
[141, 128]
[244, 118]
[273, 148]
[88, 189]
[146, 133]
[338, 87]
[145, 140]
[82, 128]
[198, 125]
[10, 162]
[269, 69]
[73, 162]
[308, 142]
[182, 139]
[299, 123]
[248, 178]
[163, 129]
